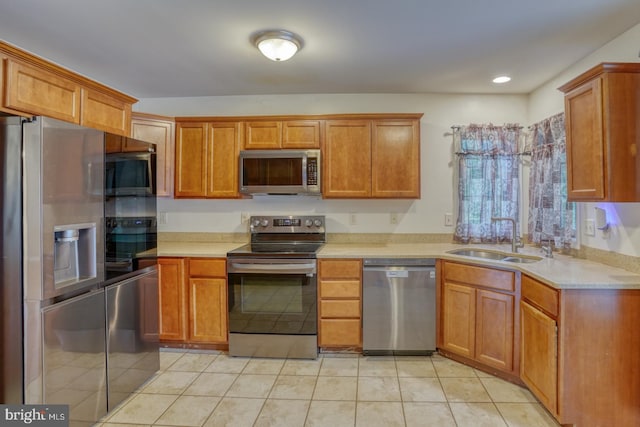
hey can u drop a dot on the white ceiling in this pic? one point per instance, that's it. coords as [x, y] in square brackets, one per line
[176, 48]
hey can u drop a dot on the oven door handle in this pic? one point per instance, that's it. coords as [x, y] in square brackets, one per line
[273, 268]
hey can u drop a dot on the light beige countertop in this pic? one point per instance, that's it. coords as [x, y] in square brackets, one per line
[196, 249]
[561, 271]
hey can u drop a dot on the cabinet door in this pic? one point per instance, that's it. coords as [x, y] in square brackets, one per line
[36, 91]
[539, 355]
[113, 143]
[262, 135]
[347, 159]
[172, 296]
[395, 151]
[100, 111]
[191, 160]
[458, 328]
[494, 329]
[585, 142]
[208, 310]
[301, 134]
[161, 133]
[222, 163]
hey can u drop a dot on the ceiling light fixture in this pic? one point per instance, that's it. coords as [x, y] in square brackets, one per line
[502, 79]
[277, 45]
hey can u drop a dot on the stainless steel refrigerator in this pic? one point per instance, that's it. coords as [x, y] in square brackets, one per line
[59, 315]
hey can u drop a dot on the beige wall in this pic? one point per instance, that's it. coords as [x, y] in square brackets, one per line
[624, 234]
[372, 216]
[441, 111]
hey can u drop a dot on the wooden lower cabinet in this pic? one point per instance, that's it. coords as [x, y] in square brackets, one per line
[340, 303]
[477, 318]
[208, 301]
[539, 355]
[172, 295]
[581, 351]
[193, 301]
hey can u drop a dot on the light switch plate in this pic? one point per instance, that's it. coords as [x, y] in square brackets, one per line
[162, 218]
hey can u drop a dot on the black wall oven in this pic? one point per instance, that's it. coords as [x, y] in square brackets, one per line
[272, 289]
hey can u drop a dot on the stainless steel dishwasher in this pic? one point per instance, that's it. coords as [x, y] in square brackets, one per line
[399, 306]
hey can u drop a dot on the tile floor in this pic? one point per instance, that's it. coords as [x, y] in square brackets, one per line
[213, 389]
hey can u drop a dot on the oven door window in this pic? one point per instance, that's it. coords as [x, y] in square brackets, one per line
[272, 304]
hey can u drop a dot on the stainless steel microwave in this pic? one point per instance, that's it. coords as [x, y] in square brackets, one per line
[280, 172]
[130, 174]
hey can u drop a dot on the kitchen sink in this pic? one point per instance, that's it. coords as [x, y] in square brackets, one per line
[495, 255]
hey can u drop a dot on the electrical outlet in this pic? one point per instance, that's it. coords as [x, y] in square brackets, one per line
[393, 218]
[352, 219]
[448, 220]
[590, 227]
[244, 217]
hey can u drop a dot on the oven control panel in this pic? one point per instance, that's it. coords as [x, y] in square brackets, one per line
[287, 224]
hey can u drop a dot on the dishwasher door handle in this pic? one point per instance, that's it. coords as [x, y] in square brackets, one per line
[409, 269]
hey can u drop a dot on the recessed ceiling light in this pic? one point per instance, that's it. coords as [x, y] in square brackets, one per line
[502, 79]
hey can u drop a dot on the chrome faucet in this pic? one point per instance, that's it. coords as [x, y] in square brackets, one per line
[547, 249]
[516, 242]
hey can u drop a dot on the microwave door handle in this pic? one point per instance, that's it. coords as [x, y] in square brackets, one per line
[272, 268]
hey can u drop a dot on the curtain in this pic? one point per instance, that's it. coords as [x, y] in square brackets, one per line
[488, 182]
[550, 215]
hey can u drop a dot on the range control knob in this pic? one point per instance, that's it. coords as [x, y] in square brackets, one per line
[308, 223]
[264, 222]
[256, 222]
[317, 223]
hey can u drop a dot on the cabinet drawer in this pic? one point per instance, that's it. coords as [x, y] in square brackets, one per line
[540, 294]
[340, 269]
[480, 276]
[337, 308]
[340, 289]
[340, 332]
[207, 267]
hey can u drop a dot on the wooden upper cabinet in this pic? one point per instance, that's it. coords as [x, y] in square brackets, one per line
[191, 160]
[346, 159]
[262, 135]
[363, 155]
[371, 159]
[301, 134]
[207, 159]
[290, 134]
[160, 131]
[33, 86]
[395, 151]
[38, 91]
[104, 112]
[222, 163]
[602, 107]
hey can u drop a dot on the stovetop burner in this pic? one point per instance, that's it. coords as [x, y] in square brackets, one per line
[284, 236]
